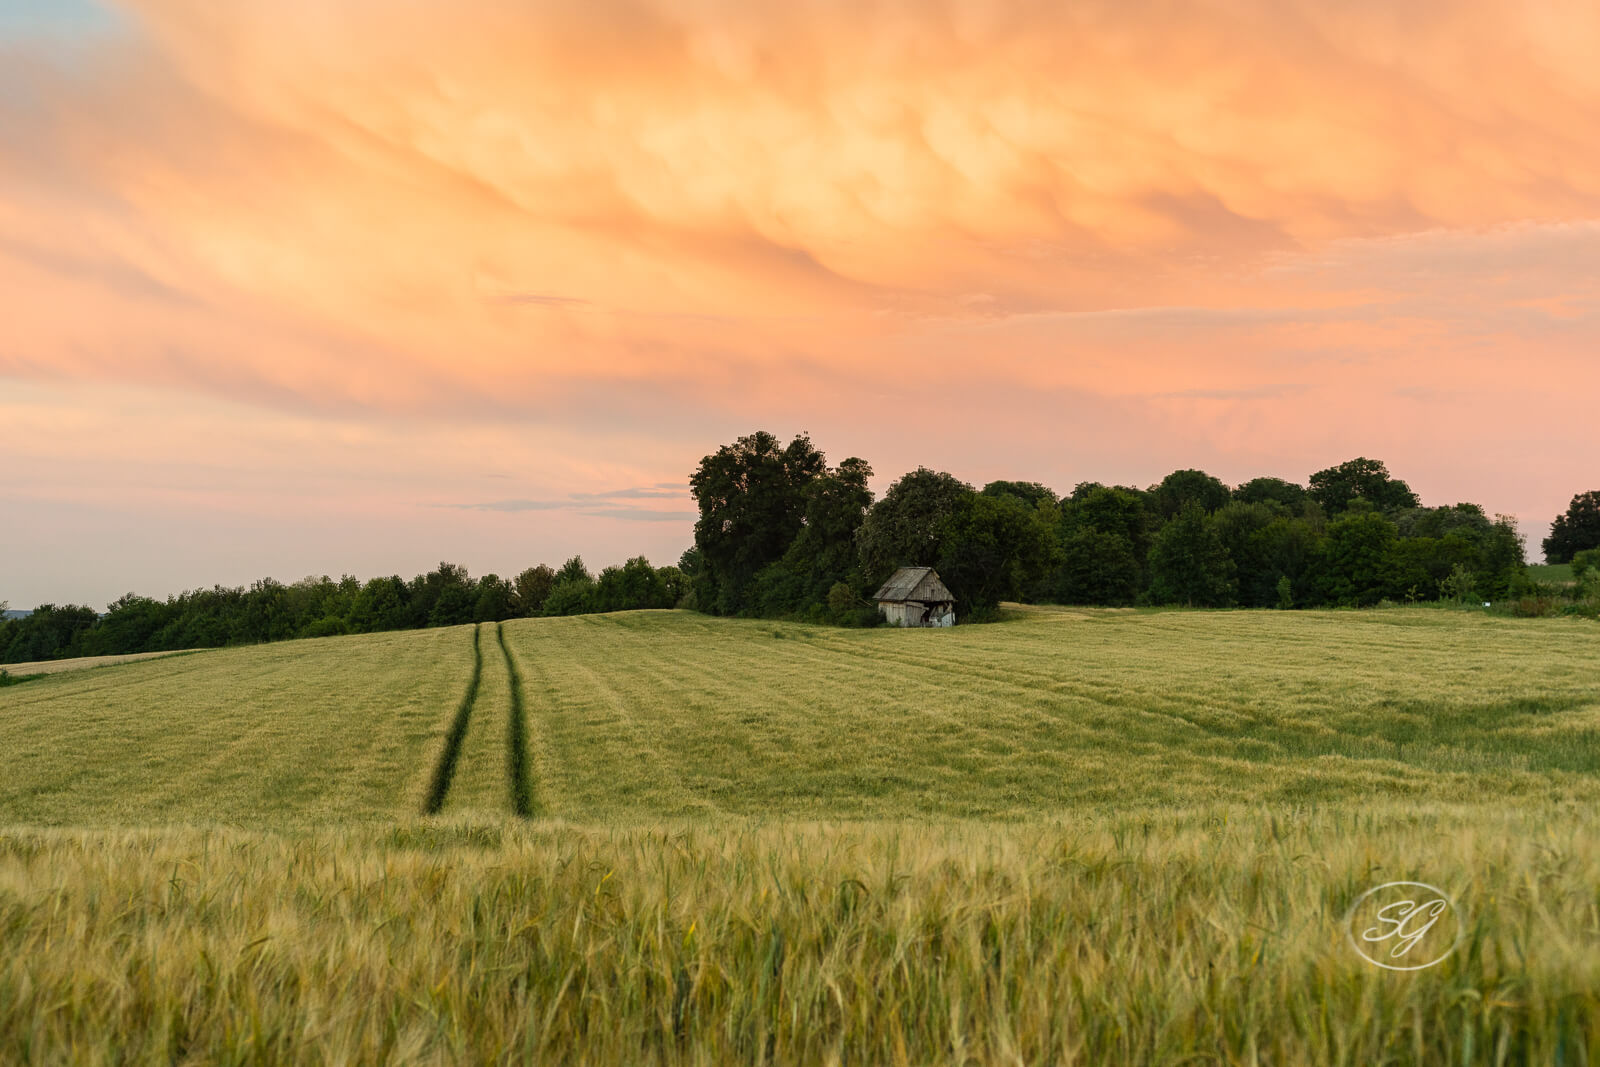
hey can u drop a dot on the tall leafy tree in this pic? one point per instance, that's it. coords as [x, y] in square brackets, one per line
[1504, 559]
[823, 554]
[1361, 478]
[1104, 546]
[1355, 563]
[1242, 528]
[1189, 564]
[1576, 529]
[574, 570]
[382, 604]
[1291, 495]
[1096, 567]
[572, 593]
[751, 496]
[907, 527]
[532, 586]
[495, 601]
[130, 625]
[633, 586]
[1182, 488]
[1032, 494]
[1287, 546]
[991, 548]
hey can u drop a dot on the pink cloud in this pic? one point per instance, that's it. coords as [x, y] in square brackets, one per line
[587, 243]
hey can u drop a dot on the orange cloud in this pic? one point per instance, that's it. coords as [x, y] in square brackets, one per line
[1106, 238]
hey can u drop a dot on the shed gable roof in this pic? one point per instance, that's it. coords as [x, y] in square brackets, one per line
[914, 583]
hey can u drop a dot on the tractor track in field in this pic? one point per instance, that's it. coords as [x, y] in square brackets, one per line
[518, 778]
[445, 770]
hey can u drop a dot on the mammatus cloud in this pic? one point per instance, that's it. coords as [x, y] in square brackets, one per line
[431, 206]
[1098, 238]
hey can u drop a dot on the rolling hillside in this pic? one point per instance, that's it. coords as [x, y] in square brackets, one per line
[640, 716]
[1076, 836]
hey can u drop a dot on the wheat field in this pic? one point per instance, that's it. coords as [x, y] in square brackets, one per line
[1071, 837]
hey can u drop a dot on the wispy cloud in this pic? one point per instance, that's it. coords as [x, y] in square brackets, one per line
[605, 505]
[513, 505]
[639, 493]
[642, 515]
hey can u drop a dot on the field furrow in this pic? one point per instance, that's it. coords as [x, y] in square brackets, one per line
[519, 776]
[479, 781]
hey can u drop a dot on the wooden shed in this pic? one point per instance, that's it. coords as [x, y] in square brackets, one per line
[914, 596]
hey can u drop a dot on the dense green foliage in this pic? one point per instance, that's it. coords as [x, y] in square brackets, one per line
[1576, 529]
[1337, 488]
[320, 607]
[1354, 537]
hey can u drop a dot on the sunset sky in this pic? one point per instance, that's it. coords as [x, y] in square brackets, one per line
[300, 287]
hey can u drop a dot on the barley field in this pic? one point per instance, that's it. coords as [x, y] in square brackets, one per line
[1071, 837]
[334, 729]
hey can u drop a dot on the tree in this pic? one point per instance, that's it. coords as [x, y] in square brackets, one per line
[630, 587]
[1576, 529]
[674, 584]
[1355, 563]
[823, 553]
[1366, 479]
[1585, 565]
[443, 597]
[1466, 519]
[381, 605]
[1242, 527]
[1503, 559]
[1288, 546]
[574, 570]
[573, 590]
[1422, 565]
[1291, 495]
[991, 549]
[532, 586]
[51, 632]
[1188, 563]
[1104, 546]
[130, 624]
[495, 599]
[751, 496]
[1096, 568]
[1182, 488]
[907, 527]
[1031, 494]
[570, 597]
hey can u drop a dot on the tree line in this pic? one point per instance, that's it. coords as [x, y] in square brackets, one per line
[780, 533]
[269, 610]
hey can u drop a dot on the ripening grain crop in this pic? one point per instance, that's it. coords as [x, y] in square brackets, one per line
[1201, 937]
